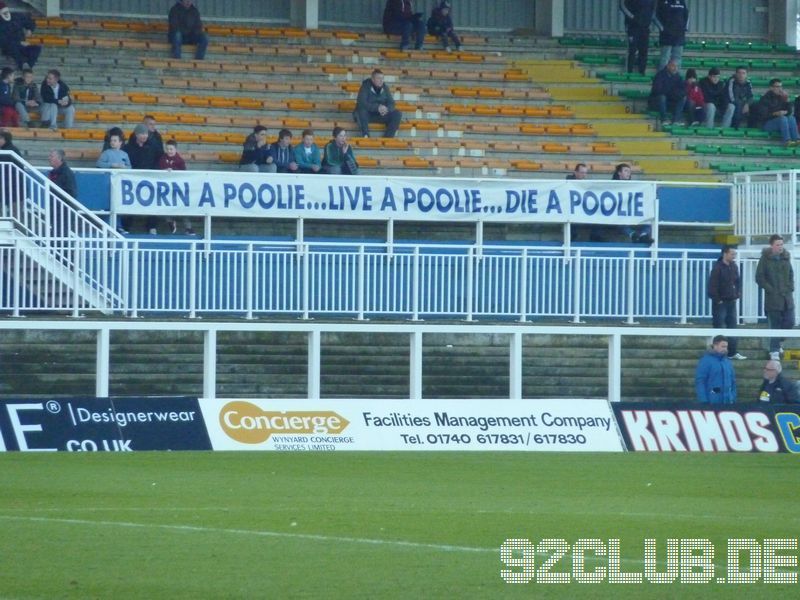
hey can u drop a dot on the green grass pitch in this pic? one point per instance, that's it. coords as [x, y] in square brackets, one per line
[368, 525]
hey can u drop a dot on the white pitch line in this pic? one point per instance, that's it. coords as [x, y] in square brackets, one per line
[253, 532]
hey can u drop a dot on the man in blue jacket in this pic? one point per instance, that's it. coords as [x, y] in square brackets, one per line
[715, 379]
[668, 92]
[638, 16]
[672, 21]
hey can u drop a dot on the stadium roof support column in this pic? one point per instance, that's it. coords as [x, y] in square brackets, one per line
[304, 14]
[550, 18]
[783, 21]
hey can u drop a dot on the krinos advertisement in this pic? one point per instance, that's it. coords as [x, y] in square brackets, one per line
[429, 425]
[221, 194]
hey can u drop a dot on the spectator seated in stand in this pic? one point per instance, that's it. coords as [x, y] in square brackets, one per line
[400, 19]
[773, 112]
[114, 157]
[307, 155]
[27, 97]
[280, 156]
[376, 104]
[254, 151]
[8, 114]
[7, 143]
[695, 101]
[638, 234]
[339, 158]
[716, 99]
[56, 101]
[186, 27]
[739, 93]
[440, 25]
[14, 31]
[668, 92]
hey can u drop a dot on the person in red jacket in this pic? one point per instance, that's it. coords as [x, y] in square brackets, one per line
[172, 161]
[695, 100]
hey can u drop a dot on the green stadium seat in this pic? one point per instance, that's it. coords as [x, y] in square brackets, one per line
[708, 131]
[633, 94]
[615, 77]
[757, 134]
[756, 151]
[733, 133]
[731, 150]
[706, 149]
[781, 151]
[727, 167]
[761, 47]
[678, 130]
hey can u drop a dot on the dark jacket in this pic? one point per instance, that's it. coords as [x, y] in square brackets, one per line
[370, 98]
[672, 20]
[723, 282]
[768, 105]
[780, 391]
[12, 33]
[176, 163]
[49, 97]
[185, 20]
[6, 94]
[154, 140]
[714, 93]
[64, 178]
[668, 84]
[281, 157]
[715, 380]
[776, 277]
[739, 93]
[23, 93]
[440, 23]
[398, 12]
[142, 157]
[638, 13]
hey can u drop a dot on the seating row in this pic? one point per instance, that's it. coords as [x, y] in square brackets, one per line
[708, 45]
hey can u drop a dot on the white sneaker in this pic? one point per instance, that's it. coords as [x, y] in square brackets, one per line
[774, 356]
[738, 356]
[153, 231]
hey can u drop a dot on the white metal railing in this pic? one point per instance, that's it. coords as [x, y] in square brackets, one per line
[415, 331]
[54, 249]
[379, 280]
[765, 203]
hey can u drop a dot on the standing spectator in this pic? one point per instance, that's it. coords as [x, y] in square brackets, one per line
[8, 114]
[695, 101]
[668, 92]
[672, 20]
[186, 27]
[27, 97]
[172, 161]
[114, 157]
[715, 379]
[638, 16]
[581, 171]
[254, 151]
[375, 103]
[716, 99]
[7, 143]
[774, 274]
[56, 101]
[14, 29]
[440, 25]
[775, 388]
[339, 158]
[724, 289]
[400, 19]
[143, 156]
[773, 112]
[61, 175]
[638, 234]
[739, 95]
[307, 155]
[280, 156]
[154, 138]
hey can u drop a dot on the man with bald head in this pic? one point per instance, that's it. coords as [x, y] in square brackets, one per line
[775, 388]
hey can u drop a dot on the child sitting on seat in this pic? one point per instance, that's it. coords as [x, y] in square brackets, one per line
[441, 25]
